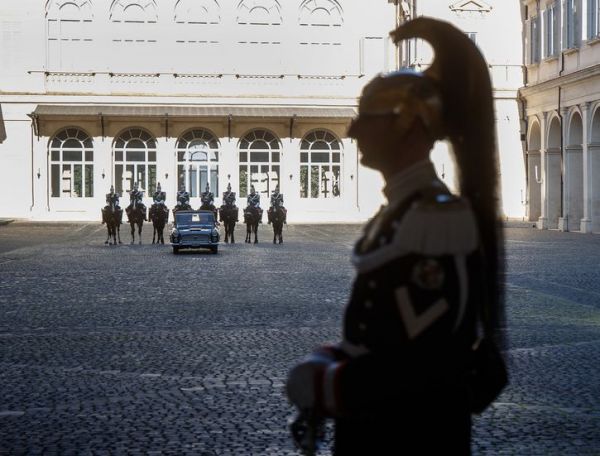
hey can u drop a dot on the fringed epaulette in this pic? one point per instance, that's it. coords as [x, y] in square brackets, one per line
[437, 224]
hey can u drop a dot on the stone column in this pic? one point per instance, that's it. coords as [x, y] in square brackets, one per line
[586, 221]
[533, 187]
[543, 174]
[563, 221]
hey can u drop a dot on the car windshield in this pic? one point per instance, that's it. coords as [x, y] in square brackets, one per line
[191, 218]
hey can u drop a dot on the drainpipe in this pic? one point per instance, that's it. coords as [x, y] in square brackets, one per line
[560, 117]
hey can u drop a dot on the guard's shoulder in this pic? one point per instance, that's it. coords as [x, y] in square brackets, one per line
[438, 223]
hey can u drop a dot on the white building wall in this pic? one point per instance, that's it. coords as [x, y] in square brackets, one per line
[81, 52]
[495, 25]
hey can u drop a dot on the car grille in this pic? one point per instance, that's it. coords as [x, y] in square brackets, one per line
[195, 239]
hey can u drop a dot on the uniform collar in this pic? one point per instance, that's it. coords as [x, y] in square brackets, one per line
[402, 185]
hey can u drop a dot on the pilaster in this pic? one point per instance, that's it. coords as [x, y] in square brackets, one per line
[563, 221]
[542, 223]
[586, 221]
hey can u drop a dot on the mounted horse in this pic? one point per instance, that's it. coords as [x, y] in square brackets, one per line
[112, 215]
[228, 214]
[159, 215]
[277, 217]
[252, 217]
[136, 213]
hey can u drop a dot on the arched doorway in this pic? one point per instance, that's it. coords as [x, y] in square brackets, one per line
[260, 155]
[135, 161]
[198, 164]
[574, 174]
[534, 173]
[594, 163]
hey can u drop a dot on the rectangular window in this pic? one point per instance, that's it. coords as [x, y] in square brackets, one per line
[119, 156]
[151, 179]
[260, 157]
[89, 181]
[592, 19]
[119, 179]
[572, 24]
[214, 180]
[136, 156]
[55, 173]
[243, 182]
[534, 40]
[72, 155]
[304, 181]
[314, 181]
[77, 182]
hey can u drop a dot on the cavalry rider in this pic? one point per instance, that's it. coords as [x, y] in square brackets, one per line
[159, 196]
[229, 197]
[135, 198]
[207, 197]
[253, 200]
[158, 199]
[277, 202]
[112, 199]
[183, 197]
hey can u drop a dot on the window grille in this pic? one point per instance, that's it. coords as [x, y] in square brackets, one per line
[259, 155]
[198, 162]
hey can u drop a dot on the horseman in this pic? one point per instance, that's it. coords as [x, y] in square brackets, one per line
[159, 196]
[112, 200]
[253, 200]
[229, 197]
[135, 200]
[277, 203]
[207, 197]
[183, 197]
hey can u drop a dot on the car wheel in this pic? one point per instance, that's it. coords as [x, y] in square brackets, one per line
[214, 250]
[175, 250]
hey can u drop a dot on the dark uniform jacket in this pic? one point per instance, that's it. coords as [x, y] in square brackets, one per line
[409, 325]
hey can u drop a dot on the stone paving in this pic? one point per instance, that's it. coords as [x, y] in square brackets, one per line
[132, 350]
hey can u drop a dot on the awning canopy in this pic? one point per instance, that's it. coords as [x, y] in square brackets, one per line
[2, 129]
[70, 111]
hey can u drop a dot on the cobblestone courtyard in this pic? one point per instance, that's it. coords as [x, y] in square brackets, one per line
[132, 350]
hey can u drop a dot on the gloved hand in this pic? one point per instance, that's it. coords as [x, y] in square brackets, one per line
[305, 380]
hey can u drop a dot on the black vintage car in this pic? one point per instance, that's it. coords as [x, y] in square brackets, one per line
[195, 229]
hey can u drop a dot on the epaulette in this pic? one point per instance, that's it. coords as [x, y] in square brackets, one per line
[437, 224]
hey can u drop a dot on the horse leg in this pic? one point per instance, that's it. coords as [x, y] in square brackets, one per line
[274, 233]
[118, 228]
[132, 232]
[281, 233]
[232, 230]
[255, 228]
[140, 232]
[248, 232]
[108, 232]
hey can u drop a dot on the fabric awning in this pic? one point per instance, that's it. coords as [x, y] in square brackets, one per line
[145, 111]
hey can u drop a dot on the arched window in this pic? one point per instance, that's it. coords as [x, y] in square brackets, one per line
[320, 165]
[71, 164]
[259, 12]
[197, 32]
[259, 162]
[69, 35]
[321, 13]
[322, 41]
[197, 12]
[198, 162]
[135, 161]
[134, 35]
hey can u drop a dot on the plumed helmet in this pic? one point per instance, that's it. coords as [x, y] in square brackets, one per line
[112, 189]
[158, 189]
[229, 186]
[407, 94]
[459, 78]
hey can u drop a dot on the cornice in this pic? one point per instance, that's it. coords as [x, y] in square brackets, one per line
[566, 79]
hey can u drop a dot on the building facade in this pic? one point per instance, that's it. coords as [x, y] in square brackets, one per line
[494, 25]
[187, 93]
[196, 92]
[560, 101]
